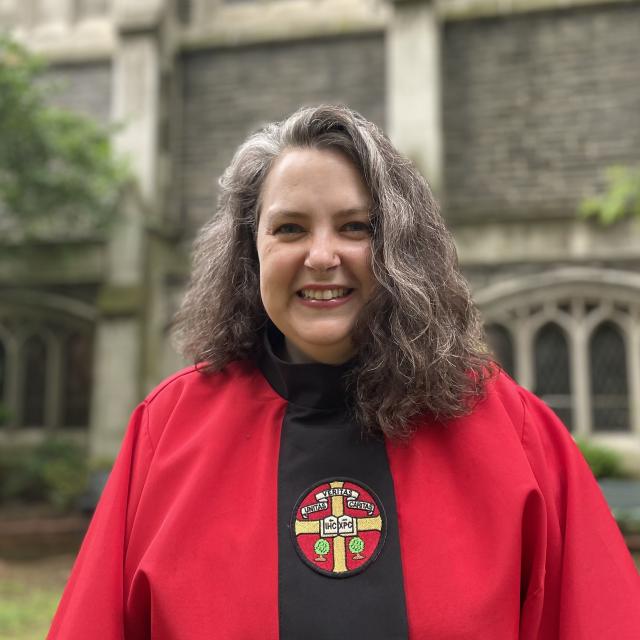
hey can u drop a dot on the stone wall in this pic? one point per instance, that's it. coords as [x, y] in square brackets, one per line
[229, 92]
[536, 106]
[84, 88]
[484, 276]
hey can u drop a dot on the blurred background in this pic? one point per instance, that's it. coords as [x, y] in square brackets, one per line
[524, 116]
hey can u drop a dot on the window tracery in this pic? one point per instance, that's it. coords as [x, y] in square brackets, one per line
[46, 360]
[575, 342]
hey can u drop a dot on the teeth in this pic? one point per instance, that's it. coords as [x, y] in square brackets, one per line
[326, 294]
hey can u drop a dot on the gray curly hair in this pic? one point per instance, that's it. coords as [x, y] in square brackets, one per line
[419, 341]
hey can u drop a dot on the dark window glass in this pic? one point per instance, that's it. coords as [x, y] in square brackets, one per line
[77, 381]
[3, 384]
[501, 346]
[553, 383]
[184, 10]
[609, 390]
[34, 368]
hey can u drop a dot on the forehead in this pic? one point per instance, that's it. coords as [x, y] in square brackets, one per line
[303, 177]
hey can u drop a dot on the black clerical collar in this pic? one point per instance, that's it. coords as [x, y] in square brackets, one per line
[313, 385]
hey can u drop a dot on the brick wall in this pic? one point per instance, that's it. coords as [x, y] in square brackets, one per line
[85, 88]
[227, 93]
[536, 106]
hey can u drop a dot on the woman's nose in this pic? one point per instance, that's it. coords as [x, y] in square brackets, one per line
[323, 253]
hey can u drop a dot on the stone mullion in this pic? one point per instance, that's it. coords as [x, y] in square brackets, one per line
[54, 384]
[580, 380]
[633, 372]
[525, 364]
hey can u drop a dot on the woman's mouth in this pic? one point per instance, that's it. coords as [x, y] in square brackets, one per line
[323, 295]
[324, 298]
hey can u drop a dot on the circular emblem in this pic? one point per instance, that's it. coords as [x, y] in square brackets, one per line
[338, 527]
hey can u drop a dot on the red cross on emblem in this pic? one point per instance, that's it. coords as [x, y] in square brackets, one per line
[338, 527]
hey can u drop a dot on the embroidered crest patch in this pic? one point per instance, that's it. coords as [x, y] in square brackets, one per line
[338, 527]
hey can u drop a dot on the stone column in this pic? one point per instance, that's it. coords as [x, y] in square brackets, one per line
[53, 17]
[580, 380]
[414, 95]
[120, 339]
[11, 12]
[525, 368]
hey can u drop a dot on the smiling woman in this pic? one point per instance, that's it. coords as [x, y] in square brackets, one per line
[343, 459]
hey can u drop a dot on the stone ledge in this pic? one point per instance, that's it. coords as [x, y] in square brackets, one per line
[472, 9]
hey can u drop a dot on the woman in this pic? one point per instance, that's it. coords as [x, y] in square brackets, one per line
[344, 461]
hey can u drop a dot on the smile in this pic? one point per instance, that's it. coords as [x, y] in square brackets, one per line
[324, 294]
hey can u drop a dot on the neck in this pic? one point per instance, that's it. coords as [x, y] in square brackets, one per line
[295, 355]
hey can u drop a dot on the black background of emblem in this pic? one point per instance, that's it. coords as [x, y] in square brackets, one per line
[378, 549]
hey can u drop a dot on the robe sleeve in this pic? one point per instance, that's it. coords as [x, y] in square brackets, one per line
[589, 586]
[92, 605]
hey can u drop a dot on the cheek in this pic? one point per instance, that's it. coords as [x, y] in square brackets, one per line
[274, 275]
[264, 268]
[360, 261]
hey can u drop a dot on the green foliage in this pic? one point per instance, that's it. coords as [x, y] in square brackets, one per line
[101, 464]
[356, 545]
[620, 200]
[57, 168]
[604, 462]
[54, 472]
[321, 547]
[5, 414]
[628, 520]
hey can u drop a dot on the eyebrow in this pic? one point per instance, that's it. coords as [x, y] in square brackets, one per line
[341, 213]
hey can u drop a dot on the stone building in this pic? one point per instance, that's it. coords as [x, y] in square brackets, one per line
[513, 110]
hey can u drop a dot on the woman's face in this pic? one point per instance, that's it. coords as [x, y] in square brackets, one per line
[314, 248]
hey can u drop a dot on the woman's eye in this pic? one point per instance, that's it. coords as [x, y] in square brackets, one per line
[357, 226]
[288, 229]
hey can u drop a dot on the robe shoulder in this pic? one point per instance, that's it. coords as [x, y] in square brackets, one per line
[192, 391]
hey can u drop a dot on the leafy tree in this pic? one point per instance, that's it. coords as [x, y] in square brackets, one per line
[356, 546]
[57, 168]
[620, 200]
[321, 547]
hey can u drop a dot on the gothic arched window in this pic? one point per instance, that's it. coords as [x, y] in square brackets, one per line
[609, 386]
[575, 333]
[501, 345]
[552, 369]
[77, 358]
[46, 359]
[34, 376]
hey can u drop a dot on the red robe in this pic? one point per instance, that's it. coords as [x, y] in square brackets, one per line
[503, 530]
